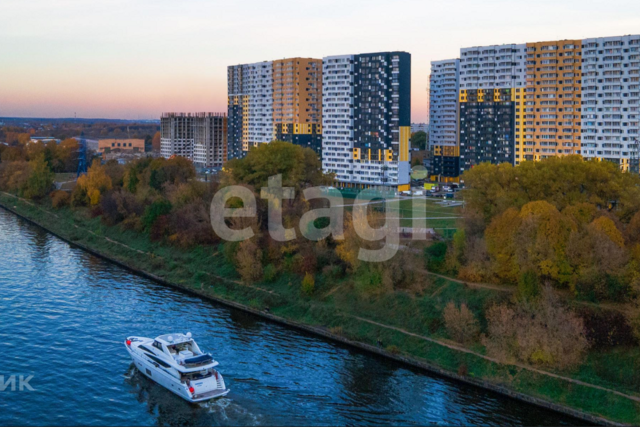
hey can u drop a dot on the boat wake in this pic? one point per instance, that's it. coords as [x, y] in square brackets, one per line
[228, 410]
[131, 372]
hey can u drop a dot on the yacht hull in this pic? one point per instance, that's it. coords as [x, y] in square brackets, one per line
[204, 390]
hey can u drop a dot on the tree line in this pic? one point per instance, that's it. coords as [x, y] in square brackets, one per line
[562, 224]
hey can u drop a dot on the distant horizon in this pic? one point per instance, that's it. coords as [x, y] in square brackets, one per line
[75, 118]
[121, 60]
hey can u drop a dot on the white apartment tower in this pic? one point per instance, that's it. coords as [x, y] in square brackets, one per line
[493, 67]
[443, 101]
[366, 119]
[337, 115]
[250, 91]
[610, 97]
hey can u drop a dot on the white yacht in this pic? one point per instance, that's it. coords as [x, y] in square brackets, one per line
[176, 362]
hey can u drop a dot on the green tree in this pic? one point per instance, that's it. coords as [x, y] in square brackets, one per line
[155, 210]
[40, 179]
[419, 140]
[300, 167]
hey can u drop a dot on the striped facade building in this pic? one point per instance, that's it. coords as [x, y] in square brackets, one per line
[366, 119]
[275, 100]
[530, 101]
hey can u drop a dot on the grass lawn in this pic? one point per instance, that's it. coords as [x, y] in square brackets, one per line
[65, 176]
[430, 213]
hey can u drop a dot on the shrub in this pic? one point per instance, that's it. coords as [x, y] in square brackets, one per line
[634, 322]
[393, 349]
[606, 328]
[528, 285]
[308, 284]
[153, 211]
[435, 256]
[541, 332]
[78, 196]
[230, 250]
[119, 206]
[336, 330]
[60, 199]
[190, 226]
[331, 272]
[270, 272]
[248, 261]
[368, 279]
[461, 324]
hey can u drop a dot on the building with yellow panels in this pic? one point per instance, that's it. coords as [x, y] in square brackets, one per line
[566, 97]
[297, 101]
[367, 120]
[274, 100]
[552, 120]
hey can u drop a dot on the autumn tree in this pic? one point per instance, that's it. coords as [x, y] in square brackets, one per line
[155, 142]
[175, 170]
[248, 261]
[538, 332]
[40, 180]
[300, 167]
[561, 181]
[67, 154]
[94, 183]
[14, 175]
[460, 323]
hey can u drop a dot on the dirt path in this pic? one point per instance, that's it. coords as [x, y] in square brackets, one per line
[491, 359]
[509, 289]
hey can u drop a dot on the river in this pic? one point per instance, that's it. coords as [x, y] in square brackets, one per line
[65, 313]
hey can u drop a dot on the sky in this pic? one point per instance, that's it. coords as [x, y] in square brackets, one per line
[134, 59]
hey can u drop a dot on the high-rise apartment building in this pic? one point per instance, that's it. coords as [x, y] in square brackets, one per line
[527, 102]
[443, 101]
[297, 101]
[552, 101]
[610, 97]
[250, 106]
[275, 100]
[366, 119]
[492, 79]
[200, 137]
[443, 117]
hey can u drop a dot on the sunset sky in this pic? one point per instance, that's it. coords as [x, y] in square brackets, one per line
[135, 59]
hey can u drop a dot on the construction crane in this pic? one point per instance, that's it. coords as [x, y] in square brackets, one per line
[82, 155]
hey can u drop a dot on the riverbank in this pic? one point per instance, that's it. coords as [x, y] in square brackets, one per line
[396, 324]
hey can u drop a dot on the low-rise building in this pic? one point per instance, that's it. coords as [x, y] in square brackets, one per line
[109, 145]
